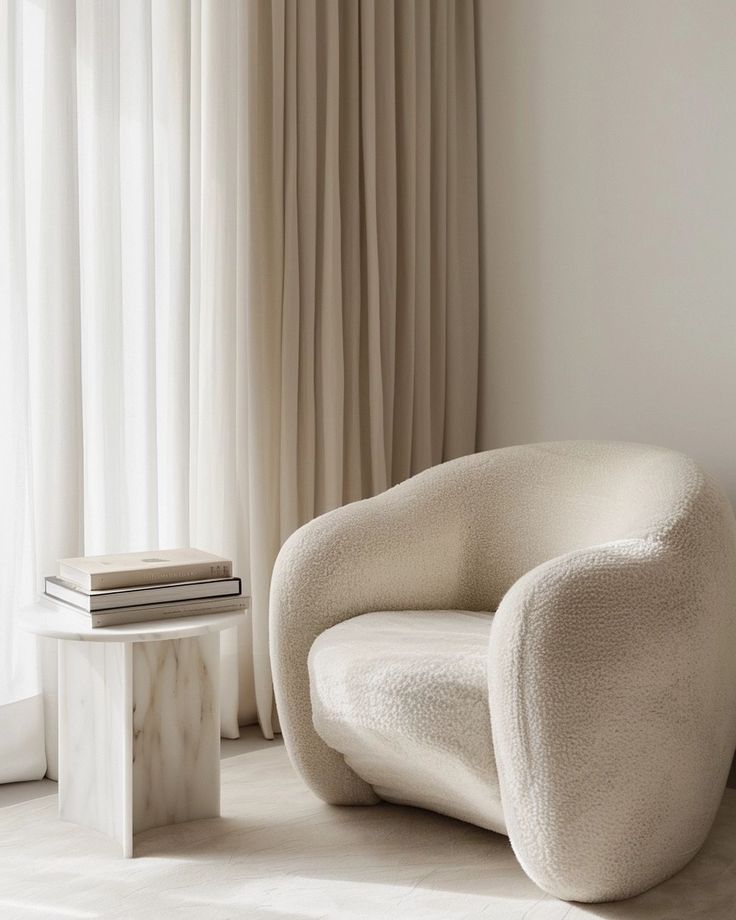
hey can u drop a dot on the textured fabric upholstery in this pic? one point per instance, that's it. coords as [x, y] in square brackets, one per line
[403, 697]
[612, 699]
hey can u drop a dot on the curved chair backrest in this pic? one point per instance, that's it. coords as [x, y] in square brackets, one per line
[529, 504]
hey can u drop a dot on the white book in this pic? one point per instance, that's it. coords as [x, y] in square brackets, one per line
[155, 611]
[127, 570]
[93, 601]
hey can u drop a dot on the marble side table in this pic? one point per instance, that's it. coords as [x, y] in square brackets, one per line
[139, 720]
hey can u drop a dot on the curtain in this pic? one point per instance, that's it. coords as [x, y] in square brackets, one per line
[239, 274]
[359, 251]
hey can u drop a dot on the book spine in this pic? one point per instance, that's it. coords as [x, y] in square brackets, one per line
[199, 571]
[127, 616]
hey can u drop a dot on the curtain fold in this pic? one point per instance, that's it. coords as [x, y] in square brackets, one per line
[22, 754]
[363, 274]
[242, 281]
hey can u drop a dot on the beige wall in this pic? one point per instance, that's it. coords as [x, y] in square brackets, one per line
[608, 139]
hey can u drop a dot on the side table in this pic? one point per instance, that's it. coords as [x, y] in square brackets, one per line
[139, 719]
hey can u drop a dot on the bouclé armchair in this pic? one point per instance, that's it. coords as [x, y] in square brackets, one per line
[540, 640]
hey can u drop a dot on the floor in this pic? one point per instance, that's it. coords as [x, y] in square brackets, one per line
[278, 852]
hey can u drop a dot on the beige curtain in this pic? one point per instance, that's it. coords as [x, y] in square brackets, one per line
[359, 256]
[239, 278]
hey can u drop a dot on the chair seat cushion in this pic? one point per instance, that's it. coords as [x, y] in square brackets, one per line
[404, 697]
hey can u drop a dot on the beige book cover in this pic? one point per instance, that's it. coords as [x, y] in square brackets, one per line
[156, 567]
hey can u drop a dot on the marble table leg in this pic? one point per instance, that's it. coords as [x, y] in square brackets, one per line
[139, 734]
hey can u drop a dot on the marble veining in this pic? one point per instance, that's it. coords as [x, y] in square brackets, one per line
[176, 731]
[94, 736]
[139, 733]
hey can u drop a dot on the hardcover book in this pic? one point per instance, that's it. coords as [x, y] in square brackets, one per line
[115, 598]
[150, 612]
[126, 570]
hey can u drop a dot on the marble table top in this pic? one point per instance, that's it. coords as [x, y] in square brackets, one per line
[48, 620]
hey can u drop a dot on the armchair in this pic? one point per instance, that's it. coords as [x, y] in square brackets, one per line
[539, 639]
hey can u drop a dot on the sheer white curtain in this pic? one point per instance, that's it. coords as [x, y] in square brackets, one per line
[123, 423]
[239, 284]
[22, 754]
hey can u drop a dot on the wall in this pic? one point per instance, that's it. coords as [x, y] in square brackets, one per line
[608, 148]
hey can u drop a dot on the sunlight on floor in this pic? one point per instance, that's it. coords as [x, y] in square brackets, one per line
[277, 852]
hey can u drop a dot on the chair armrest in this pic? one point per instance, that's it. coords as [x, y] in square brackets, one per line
[611, 678]
[401, 550]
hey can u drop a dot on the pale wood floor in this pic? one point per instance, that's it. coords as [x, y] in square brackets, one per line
[278, 852]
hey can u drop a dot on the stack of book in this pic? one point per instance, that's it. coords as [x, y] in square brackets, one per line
[136, 587]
